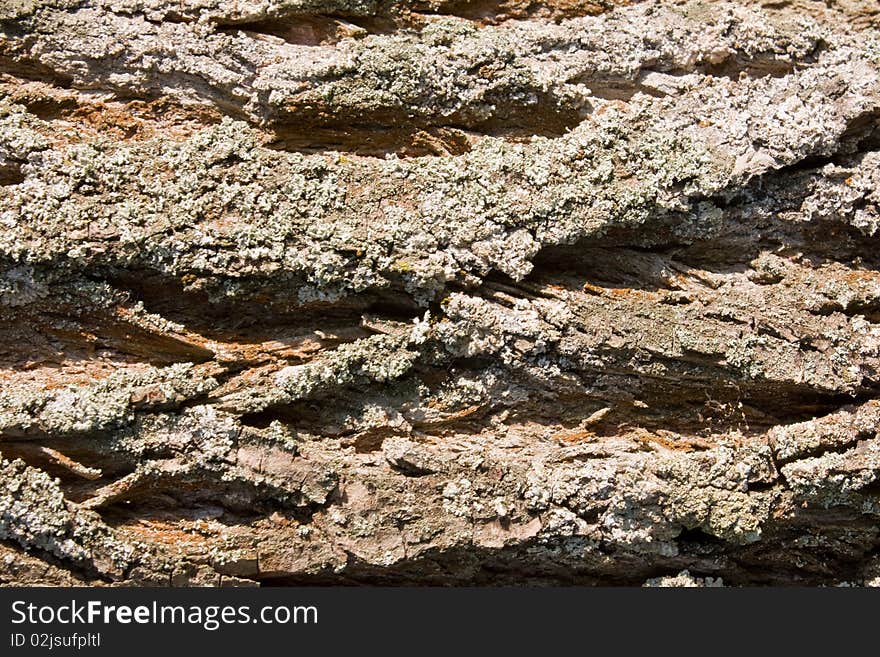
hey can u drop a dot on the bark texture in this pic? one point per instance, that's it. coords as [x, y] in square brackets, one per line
[439, 292]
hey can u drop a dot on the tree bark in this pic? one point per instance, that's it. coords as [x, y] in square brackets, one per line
[439, 292]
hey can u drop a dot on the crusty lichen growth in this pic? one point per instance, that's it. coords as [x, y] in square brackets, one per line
[35, 514]
[106, 404]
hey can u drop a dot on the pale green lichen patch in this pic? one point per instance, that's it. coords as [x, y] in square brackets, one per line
[105, 405]
[35, 514]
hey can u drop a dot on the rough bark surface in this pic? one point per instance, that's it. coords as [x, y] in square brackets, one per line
[439, 292]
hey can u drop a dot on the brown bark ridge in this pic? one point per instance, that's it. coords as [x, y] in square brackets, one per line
[439, 292]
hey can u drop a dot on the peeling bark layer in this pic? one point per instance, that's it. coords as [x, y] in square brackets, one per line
[439, 292]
